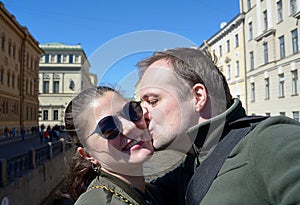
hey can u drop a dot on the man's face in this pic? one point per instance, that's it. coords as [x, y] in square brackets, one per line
[169, 115]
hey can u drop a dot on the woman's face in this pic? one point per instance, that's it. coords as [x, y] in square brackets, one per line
[121, 154]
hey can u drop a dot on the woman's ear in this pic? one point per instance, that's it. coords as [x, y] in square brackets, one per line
[200, 96]
[85, 155]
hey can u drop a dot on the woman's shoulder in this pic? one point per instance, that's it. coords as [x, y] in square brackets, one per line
[102, 190]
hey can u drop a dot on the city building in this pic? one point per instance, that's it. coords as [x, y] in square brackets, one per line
[64, 72]
[19, 69]
[227, 48]
[272, 56]
[258, 52]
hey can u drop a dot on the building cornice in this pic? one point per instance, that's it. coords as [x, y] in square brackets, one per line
[23, 32]
[233, 24]
[265, 34]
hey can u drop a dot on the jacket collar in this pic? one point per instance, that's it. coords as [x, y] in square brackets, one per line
[207, 134]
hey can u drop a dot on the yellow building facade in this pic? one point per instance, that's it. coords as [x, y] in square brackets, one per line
[19, 68]
[227, 46]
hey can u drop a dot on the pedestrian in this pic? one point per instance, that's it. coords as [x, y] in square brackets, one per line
[6, 132]
[41, 135]
[46, 136]
[114, 139]
[13, 132]
[23, 132]
[188, 107]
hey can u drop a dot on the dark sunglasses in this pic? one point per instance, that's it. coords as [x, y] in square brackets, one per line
[110, 126]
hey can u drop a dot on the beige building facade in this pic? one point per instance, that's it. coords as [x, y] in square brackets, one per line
[64, 72]
[227, 46]
[272, 56]
[19, 68]
[267, 54]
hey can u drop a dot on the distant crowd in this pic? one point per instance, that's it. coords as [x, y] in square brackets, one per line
[50, 134]
[46, 134]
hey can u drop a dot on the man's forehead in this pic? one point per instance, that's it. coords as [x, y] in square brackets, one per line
[157, 73]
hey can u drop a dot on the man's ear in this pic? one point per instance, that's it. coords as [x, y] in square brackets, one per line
[200, 96]
[85, 155]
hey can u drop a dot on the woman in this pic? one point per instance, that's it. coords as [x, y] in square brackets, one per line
[116, 143]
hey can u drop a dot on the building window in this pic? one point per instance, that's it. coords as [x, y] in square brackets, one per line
[252, 87]
[3, 42]
[9, 47]
[265, 16]
[1, 76]
[294, 82]
[47, 58]
[293, 7]
[267, 89]
[14, 51]
[237, 69]
[228, 45]
[72, 85]
[45, 115]
[236, 41]
[282, 113]
[281, 85]
[266, 56]
[13, 81]
[55, 114]
[46, 87]
[251, 58]
[27, 113]
[279, 11]
[31, 63]
[59, 58]
[295, 40]
[249, 4]
[71, 58]
[8, 79]
[296, 115]
[228, 72]
[31, 88]
[220, 50]
[282, 46]
[250, 27]
[56, 87]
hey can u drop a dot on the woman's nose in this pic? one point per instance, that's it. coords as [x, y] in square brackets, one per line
[132, 129]
[141, 124]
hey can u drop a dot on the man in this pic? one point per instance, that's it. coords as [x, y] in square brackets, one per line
[189, 108]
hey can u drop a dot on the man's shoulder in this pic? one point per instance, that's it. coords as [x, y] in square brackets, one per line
[277, 124]
[273, 134]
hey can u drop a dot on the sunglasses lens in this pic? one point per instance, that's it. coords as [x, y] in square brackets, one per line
[108, 127]
[133, 111]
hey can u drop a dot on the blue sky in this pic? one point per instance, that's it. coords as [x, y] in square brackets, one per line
[116, 34]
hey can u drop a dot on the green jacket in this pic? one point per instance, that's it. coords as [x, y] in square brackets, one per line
[107, 189]
[263, 168]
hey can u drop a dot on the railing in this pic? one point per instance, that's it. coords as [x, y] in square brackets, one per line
[15, 167]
